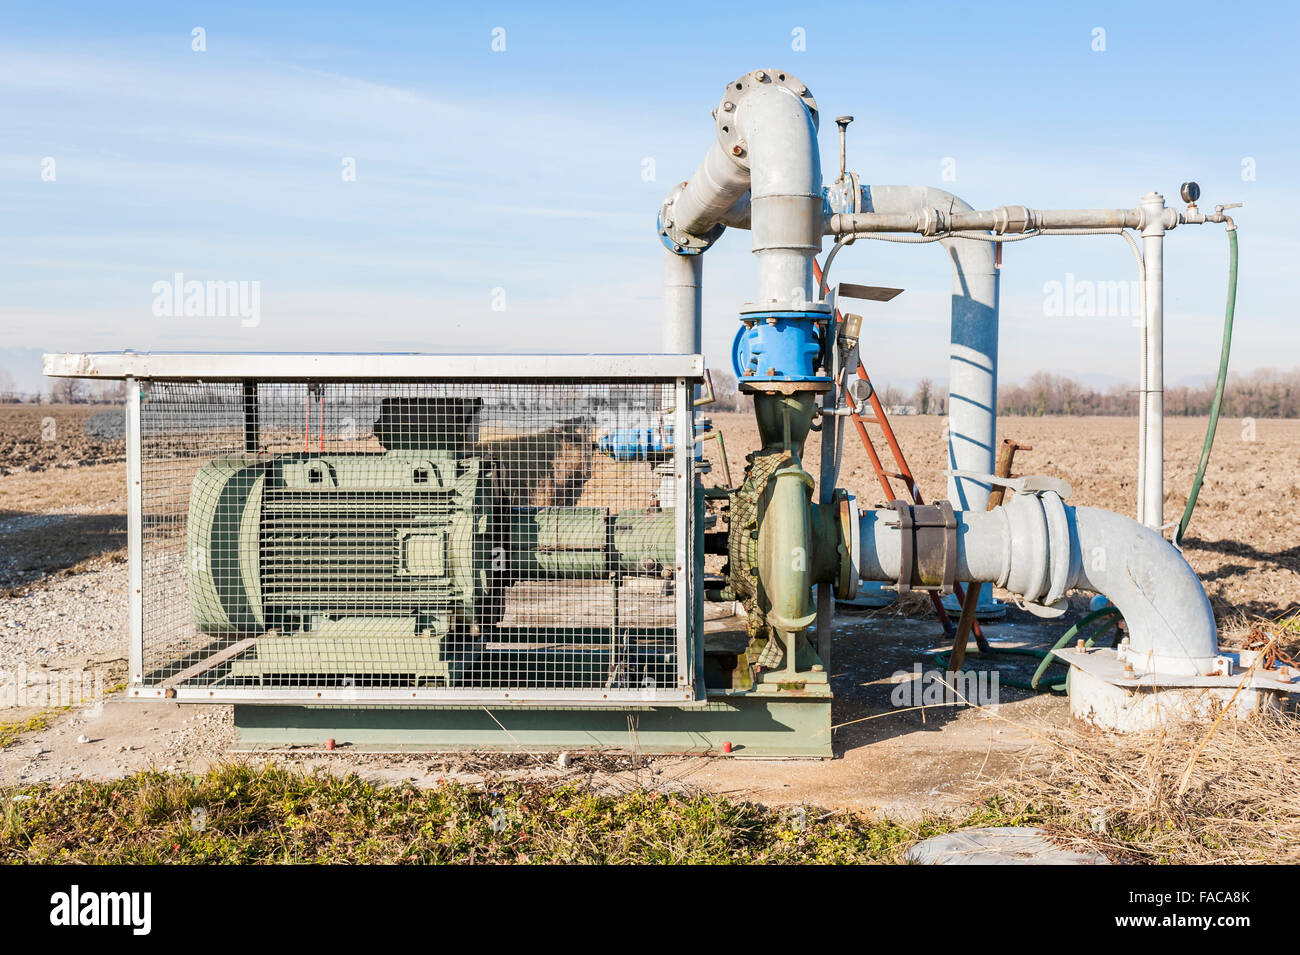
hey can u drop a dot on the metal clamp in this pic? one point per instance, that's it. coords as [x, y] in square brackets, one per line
[927, 546]
[1029, 484]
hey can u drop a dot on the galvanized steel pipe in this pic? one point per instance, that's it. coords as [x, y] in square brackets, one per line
[1039, 548]
[973, 355]
[1151, 376]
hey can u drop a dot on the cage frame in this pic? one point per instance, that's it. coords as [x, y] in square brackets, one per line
[681, 372]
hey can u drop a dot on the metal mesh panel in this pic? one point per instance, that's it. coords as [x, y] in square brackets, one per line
[453, 540]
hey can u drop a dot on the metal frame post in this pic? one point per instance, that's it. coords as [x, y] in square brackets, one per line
[831, 399]
[134, 534]
[686, 580]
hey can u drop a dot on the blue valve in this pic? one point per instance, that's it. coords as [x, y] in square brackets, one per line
[778, 346]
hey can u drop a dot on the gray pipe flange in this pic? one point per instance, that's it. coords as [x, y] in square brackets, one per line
[673, 238]
[729, 137]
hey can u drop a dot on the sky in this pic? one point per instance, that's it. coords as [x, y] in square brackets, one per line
[485, 177]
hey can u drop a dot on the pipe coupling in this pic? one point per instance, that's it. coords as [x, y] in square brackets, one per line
[1038, 562]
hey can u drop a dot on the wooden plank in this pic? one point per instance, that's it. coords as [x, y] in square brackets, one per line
[218, 658]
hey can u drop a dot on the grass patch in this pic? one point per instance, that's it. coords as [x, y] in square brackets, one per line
[10, 732]
[245, 814]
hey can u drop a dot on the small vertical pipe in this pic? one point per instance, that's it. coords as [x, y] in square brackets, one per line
[134, 534]
[826, 476]
[682, 303]
[1152, 392]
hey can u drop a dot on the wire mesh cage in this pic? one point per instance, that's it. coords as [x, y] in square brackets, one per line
[416, 541]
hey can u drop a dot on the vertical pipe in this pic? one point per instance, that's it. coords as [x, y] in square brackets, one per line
[826, 478]
[134, 535]
[973, 350]
[972, 374]
[785, 218]
[1151, 422]
[973, 355]
[682, 303]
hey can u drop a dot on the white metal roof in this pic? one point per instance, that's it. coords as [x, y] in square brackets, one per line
[226, 366]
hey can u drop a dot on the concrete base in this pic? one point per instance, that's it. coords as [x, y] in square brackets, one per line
[1140, 709]
[747, 724]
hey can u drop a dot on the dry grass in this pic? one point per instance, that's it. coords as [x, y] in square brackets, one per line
[1125, 796]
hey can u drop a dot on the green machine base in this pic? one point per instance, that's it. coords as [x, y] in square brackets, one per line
[754, 724]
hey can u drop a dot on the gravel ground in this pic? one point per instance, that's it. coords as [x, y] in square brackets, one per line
[68, 621]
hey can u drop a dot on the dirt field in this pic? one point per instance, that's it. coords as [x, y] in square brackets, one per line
[63, 606]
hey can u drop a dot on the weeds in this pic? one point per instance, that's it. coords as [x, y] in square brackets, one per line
[245, 814]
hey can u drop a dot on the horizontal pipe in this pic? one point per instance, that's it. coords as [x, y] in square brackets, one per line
[716, 185]
[1039, 549]
[1004, 220]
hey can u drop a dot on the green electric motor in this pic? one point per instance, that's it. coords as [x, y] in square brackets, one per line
[292, 542]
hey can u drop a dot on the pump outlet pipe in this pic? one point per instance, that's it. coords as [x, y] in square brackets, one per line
[1040, 548]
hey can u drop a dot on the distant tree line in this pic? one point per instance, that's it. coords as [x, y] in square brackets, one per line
[1263, 393]
[64, 391]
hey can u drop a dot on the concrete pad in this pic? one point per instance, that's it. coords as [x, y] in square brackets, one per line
[1000, 845]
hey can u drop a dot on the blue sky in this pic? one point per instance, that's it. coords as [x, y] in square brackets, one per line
[524, 169]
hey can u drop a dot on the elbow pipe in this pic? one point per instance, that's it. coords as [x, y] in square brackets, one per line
[785, 194]
[973, 355]
[1039, 548]
[763, 171]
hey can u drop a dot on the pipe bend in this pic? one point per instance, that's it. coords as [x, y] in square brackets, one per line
[1171, 624]
[1038, 548]
[766, 144]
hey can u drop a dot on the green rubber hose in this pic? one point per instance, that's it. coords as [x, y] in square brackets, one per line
[1218, 388]
[1111, 615]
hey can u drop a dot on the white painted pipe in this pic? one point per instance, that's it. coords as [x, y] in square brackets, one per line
[973, 354]
[1039, 548]
[1151, 380]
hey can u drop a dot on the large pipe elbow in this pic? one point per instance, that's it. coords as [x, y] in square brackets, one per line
[763, 172]
[785, 194]
[1170, 621]
[1039, 549]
